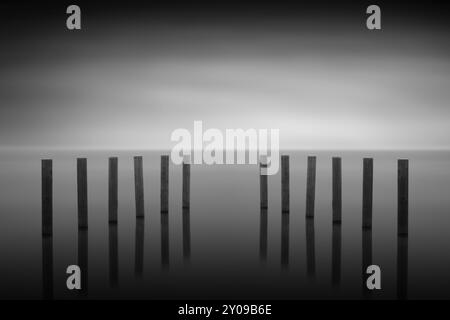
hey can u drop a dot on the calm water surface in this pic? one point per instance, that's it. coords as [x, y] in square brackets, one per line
[225, 251]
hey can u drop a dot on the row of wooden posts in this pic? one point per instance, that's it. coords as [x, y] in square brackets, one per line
[82, 190]
[402, 208]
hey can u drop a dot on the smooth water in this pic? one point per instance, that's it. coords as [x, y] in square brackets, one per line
[226, 257]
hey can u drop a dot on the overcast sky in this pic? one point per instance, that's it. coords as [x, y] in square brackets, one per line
[129, 82]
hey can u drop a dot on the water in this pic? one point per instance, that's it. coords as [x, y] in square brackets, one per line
[226, 259]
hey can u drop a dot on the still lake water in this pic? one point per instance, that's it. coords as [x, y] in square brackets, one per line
[225, 259]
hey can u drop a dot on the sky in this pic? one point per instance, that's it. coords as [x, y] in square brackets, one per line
[133, 75]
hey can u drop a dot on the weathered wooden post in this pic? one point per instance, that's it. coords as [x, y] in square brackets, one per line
[337, 190]
[113, 189]
[263, 224]
[337, 218]
[402, 239]
[47, 197]
[310, 186]
[139, 187]
[285, 210]
[47, 228]
[402, 228]
[165, 183]
[186, 203]
[113, 255]
[336, 254]
[82, 188]
[139, 246]
[186, 234]
[367, 193]
[186, 185]
[263, 185]
[284, 239]
[402, 195]
[164, 210]
[285, 184]
[310, 248]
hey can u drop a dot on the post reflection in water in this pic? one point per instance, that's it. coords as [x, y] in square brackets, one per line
[165, 239]
[402, 267]
[310, 253]
[113, 255]
[310, 248]
[83, 259]
[186, 235]
[47, 267]
[366, 259]
[139, 247]
[336, 254]
[284, 239]
[263, 235]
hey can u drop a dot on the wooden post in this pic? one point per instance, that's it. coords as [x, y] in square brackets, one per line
[82, 188]
[402, 229]
[285, 210]
[139, 187]
[139, 247]
[113, 189]
[83, 258]
[310, 186]
[310, 248]
[284, 239]
[186, 235]
[402, 195]
[186, 185]
[165, 183]
[337, 190]
[263, 185]
[263, 224]
[113, 255]
[367, 193]
[47, 197]
[285, 183]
